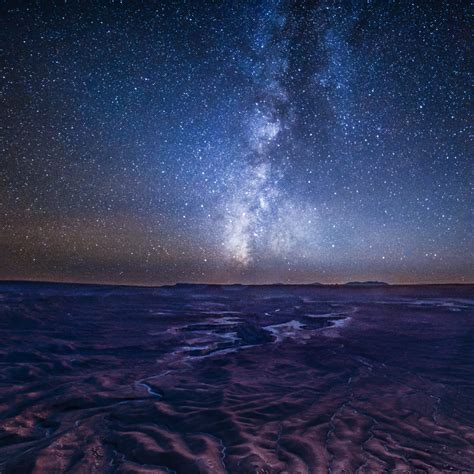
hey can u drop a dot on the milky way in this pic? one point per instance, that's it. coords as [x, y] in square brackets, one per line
[236, 142]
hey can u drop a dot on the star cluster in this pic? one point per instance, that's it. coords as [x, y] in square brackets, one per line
[236, 142]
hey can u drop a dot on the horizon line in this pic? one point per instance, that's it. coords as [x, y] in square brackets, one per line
[374, 283]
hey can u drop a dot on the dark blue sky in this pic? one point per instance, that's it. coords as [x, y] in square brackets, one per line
[229, 141]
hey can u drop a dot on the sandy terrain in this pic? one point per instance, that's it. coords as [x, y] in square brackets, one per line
[198, 379]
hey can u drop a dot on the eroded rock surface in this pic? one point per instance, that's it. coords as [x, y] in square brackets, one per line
[236, 379]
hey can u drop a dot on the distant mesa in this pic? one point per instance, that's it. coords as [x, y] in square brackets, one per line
[189, 286]
[366, 283]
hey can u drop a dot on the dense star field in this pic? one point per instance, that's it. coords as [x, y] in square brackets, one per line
[235, 141]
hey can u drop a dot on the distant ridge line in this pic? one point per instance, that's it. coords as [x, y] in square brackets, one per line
[350, 284]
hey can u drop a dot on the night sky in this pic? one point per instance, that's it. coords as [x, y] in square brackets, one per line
[208, 141]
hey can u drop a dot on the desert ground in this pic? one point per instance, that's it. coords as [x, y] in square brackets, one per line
[238, 379]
